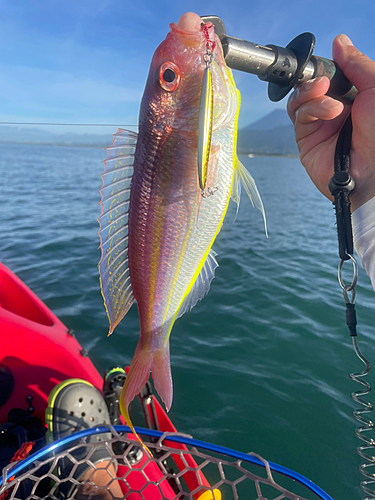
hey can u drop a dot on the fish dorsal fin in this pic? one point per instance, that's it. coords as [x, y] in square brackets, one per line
[115, 192]
[243, 176]
[201, 285]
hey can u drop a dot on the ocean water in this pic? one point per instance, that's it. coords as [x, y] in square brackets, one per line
[262, 363]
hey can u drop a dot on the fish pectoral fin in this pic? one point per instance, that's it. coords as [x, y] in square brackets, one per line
[115, 194]
[243, 176]
[201, 285]
[210, 188]
[137, 377]
[236, 192]
[212, 166]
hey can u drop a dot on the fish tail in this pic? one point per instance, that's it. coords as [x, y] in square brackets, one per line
[161, 375]
[135, 380]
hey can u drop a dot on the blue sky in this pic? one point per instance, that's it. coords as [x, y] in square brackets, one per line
[81, 61]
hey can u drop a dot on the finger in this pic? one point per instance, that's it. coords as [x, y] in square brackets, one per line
[321, 108]
[310, 114]
[306, 92]
[357, 67]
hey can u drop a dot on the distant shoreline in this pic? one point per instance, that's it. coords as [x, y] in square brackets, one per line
[286, 155]
[98, 146]
[57, 144]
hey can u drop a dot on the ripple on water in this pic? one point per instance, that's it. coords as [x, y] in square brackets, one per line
[262, 362]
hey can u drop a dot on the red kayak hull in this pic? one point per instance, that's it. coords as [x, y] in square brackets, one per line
[37, 351]
[36, 347]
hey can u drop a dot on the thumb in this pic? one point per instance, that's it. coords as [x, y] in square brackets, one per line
[357, 67]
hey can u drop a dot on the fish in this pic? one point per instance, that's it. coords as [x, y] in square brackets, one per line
[165, 194]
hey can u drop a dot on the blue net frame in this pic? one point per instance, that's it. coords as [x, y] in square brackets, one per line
[229, 473]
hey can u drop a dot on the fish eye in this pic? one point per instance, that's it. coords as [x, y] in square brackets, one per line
[169, 76]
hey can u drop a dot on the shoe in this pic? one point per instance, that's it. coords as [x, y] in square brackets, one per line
[75, 405]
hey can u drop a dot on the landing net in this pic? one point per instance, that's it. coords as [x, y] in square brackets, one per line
[98, 461]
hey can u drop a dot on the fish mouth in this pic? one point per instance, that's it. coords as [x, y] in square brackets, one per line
[188, 29]
[189, 22]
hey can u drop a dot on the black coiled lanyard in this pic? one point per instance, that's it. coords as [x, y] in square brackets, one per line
[341, 186]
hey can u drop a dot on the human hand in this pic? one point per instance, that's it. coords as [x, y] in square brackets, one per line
[318, 120]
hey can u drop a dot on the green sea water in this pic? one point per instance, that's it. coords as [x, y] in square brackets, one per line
[262, 363]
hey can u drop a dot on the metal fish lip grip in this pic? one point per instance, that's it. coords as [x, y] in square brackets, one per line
[283, 67]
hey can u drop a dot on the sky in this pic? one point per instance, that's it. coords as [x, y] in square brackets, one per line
[86, 61]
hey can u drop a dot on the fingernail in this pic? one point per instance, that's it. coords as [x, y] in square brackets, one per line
[305, 87]
[307, 84]
[316, 80]
[330, 104]
[345, 40]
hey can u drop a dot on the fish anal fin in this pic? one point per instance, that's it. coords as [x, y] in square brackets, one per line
[201, 285]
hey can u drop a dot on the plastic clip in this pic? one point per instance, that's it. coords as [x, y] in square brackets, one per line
[341, 181]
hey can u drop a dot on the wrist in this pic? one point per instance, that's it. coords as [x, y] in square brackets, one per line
[361, 194]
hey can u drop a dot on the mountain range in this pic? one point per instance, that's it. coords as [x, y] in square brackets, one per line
[271, 135]
[34, 135]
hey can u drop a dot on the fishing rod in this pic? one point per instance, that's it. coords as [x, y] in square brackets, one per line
[283, 67]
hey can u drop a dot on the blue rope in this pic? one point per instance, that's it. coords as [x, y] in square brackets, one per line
[41, 454]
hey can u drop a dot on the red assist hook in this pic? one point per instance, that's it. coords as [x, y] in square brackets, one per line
[210, 44]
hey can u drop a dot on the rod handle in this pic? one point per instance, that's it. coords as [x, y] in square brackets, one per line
[340, 88]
